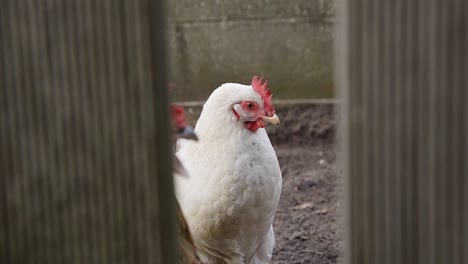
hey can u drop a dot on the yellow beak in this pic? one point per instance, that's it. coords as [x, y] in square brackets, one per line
[273, 119]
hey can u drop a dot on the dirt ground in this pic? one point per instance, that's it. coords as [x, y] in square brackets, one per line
[307, 222]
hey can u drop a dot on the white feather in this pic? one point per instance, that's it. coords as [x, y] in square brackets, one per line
[234, 187]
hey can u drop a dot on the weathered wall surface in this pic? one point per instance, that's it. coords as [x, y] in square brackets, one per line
[216, 41]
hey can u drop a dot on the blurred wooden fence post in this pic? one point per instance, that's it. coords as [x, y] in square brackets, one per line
[402, 73]
[85, 169]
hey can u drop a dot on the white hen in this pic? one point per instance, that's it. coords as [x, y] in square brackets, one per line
[235, 185]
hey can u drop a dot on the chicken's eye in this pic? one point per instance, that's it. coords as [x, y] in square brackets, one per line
[250, 105]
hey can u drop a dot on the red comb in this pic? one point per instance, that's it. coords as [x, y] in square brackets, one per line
[178, 116]
[262, 89]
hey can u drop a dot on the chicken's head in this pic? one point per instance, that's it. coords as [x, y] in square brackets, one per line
[182, 130]
[254, 109]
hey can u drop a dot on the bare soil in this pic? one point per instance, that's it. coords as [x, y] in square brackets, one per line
[307, 223]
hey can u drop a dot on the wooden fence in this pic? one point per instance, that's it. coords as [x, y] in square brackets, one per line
[84, 149]
[402, 74]
[84, 146]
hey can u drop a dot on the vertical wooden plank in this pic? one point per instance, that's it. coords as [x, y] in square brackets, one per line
[464, 160]
[84, 153]
[167, 221]
[341, 74]
[407, 125]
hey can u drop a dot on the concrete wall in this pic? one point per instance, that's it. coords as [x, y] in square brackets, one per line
[216, 41]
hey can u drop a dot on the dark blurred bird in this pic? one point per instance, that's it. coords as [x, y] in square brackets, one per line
[188, 253]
